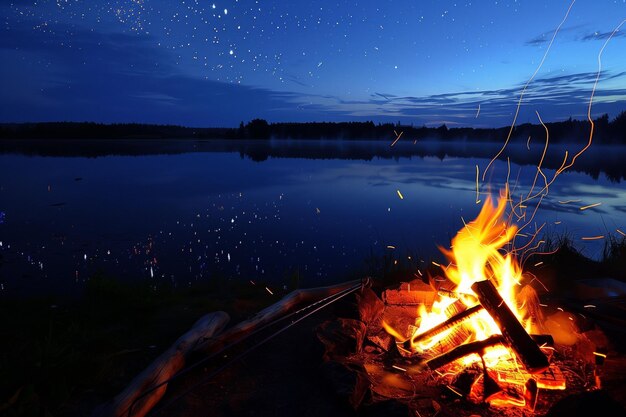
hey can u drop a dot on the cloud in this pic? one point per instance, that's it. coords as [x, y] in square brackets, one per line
[546, 36]
[555, 97]
[538, 40]
[597, 36]
[68, 72]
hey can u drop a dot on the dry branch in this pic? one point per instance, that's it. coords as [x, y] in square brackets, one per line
[284, 306]
[148, 388]
[153, 380]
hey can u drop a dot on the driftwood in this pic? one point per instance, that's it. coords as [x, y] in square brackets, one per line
[533, 359]
[153, 380]
[148, 388]
[292, 300]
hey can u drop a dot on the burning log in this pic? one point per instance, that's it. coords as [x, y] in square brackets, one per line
[533, 359]
[464, 350]
[411, 293]
[442, 327]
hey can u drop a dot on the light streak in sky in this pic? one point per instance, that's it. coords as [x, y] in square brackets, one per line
[519, 102]
[590, 206]
[398, 136]
[477, 185]
[592, 237]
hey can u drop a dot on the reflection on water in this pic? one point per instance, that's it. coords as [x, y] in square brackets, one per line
[191, 211]
[597, 160]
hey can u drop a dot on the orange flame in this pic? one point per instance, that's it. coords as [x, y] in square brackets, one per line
[476, 254]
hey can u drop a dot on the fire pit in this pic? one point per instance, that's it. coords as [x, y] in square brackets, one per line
[474, 339]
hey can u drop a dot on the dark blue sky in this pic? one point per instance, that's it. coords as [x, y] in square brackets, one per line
[216, 63]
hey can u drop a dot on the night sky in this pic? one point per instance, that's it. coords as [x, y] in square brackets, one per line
[216, 63]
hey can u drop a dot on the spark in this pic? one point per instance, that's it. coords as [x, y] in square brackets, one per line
[618, 231]
[390, 247]
[398, 368]
[519, 102]
[398, 136]
[589, 306]
[593, 91]
[269, 291]
[400, 195]
[477, 111]
[592, 237]
[569, 201]
[543, 155]
[454, 391]
[590, 206]
[477, 186]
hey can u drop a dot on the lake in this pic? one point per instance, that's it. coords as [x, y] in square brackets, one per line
[188, 211]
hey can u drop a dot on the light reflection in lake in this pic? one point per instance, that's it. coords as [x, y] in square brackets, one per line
[213, 209]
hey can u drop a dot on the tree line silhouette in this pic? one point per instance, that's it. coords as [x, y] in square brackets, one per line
[606, 131]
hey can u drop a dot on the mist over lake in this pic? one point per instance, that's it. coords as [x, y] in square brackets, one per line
[186, 211]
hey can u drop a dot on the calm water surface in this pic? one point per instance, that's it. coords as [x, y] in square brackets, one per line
[268, 213]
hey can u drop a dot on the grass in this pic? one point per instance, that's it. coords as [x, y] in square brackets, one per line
[561, 263]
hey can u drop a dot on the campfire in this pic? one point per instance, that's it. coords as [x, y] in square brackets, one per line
[475, 333]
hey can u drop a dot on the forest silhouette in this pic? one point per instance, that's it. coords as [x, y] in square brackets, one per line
[606, 131]
[259, 140]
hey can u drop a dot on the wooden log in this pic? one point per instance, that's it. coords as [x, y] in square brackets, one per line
[172, 361]
[442, 327]
[411, 293]
[147, 388]
[526, 349]
[284, 306]
[464, 350]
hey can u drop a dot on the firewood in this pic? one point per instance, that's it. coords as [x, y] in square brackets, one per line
[147, 388]
[464, 350]
[526, 349]
[284, 306]
[449, 323]
[200, 340]
[411, 293]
